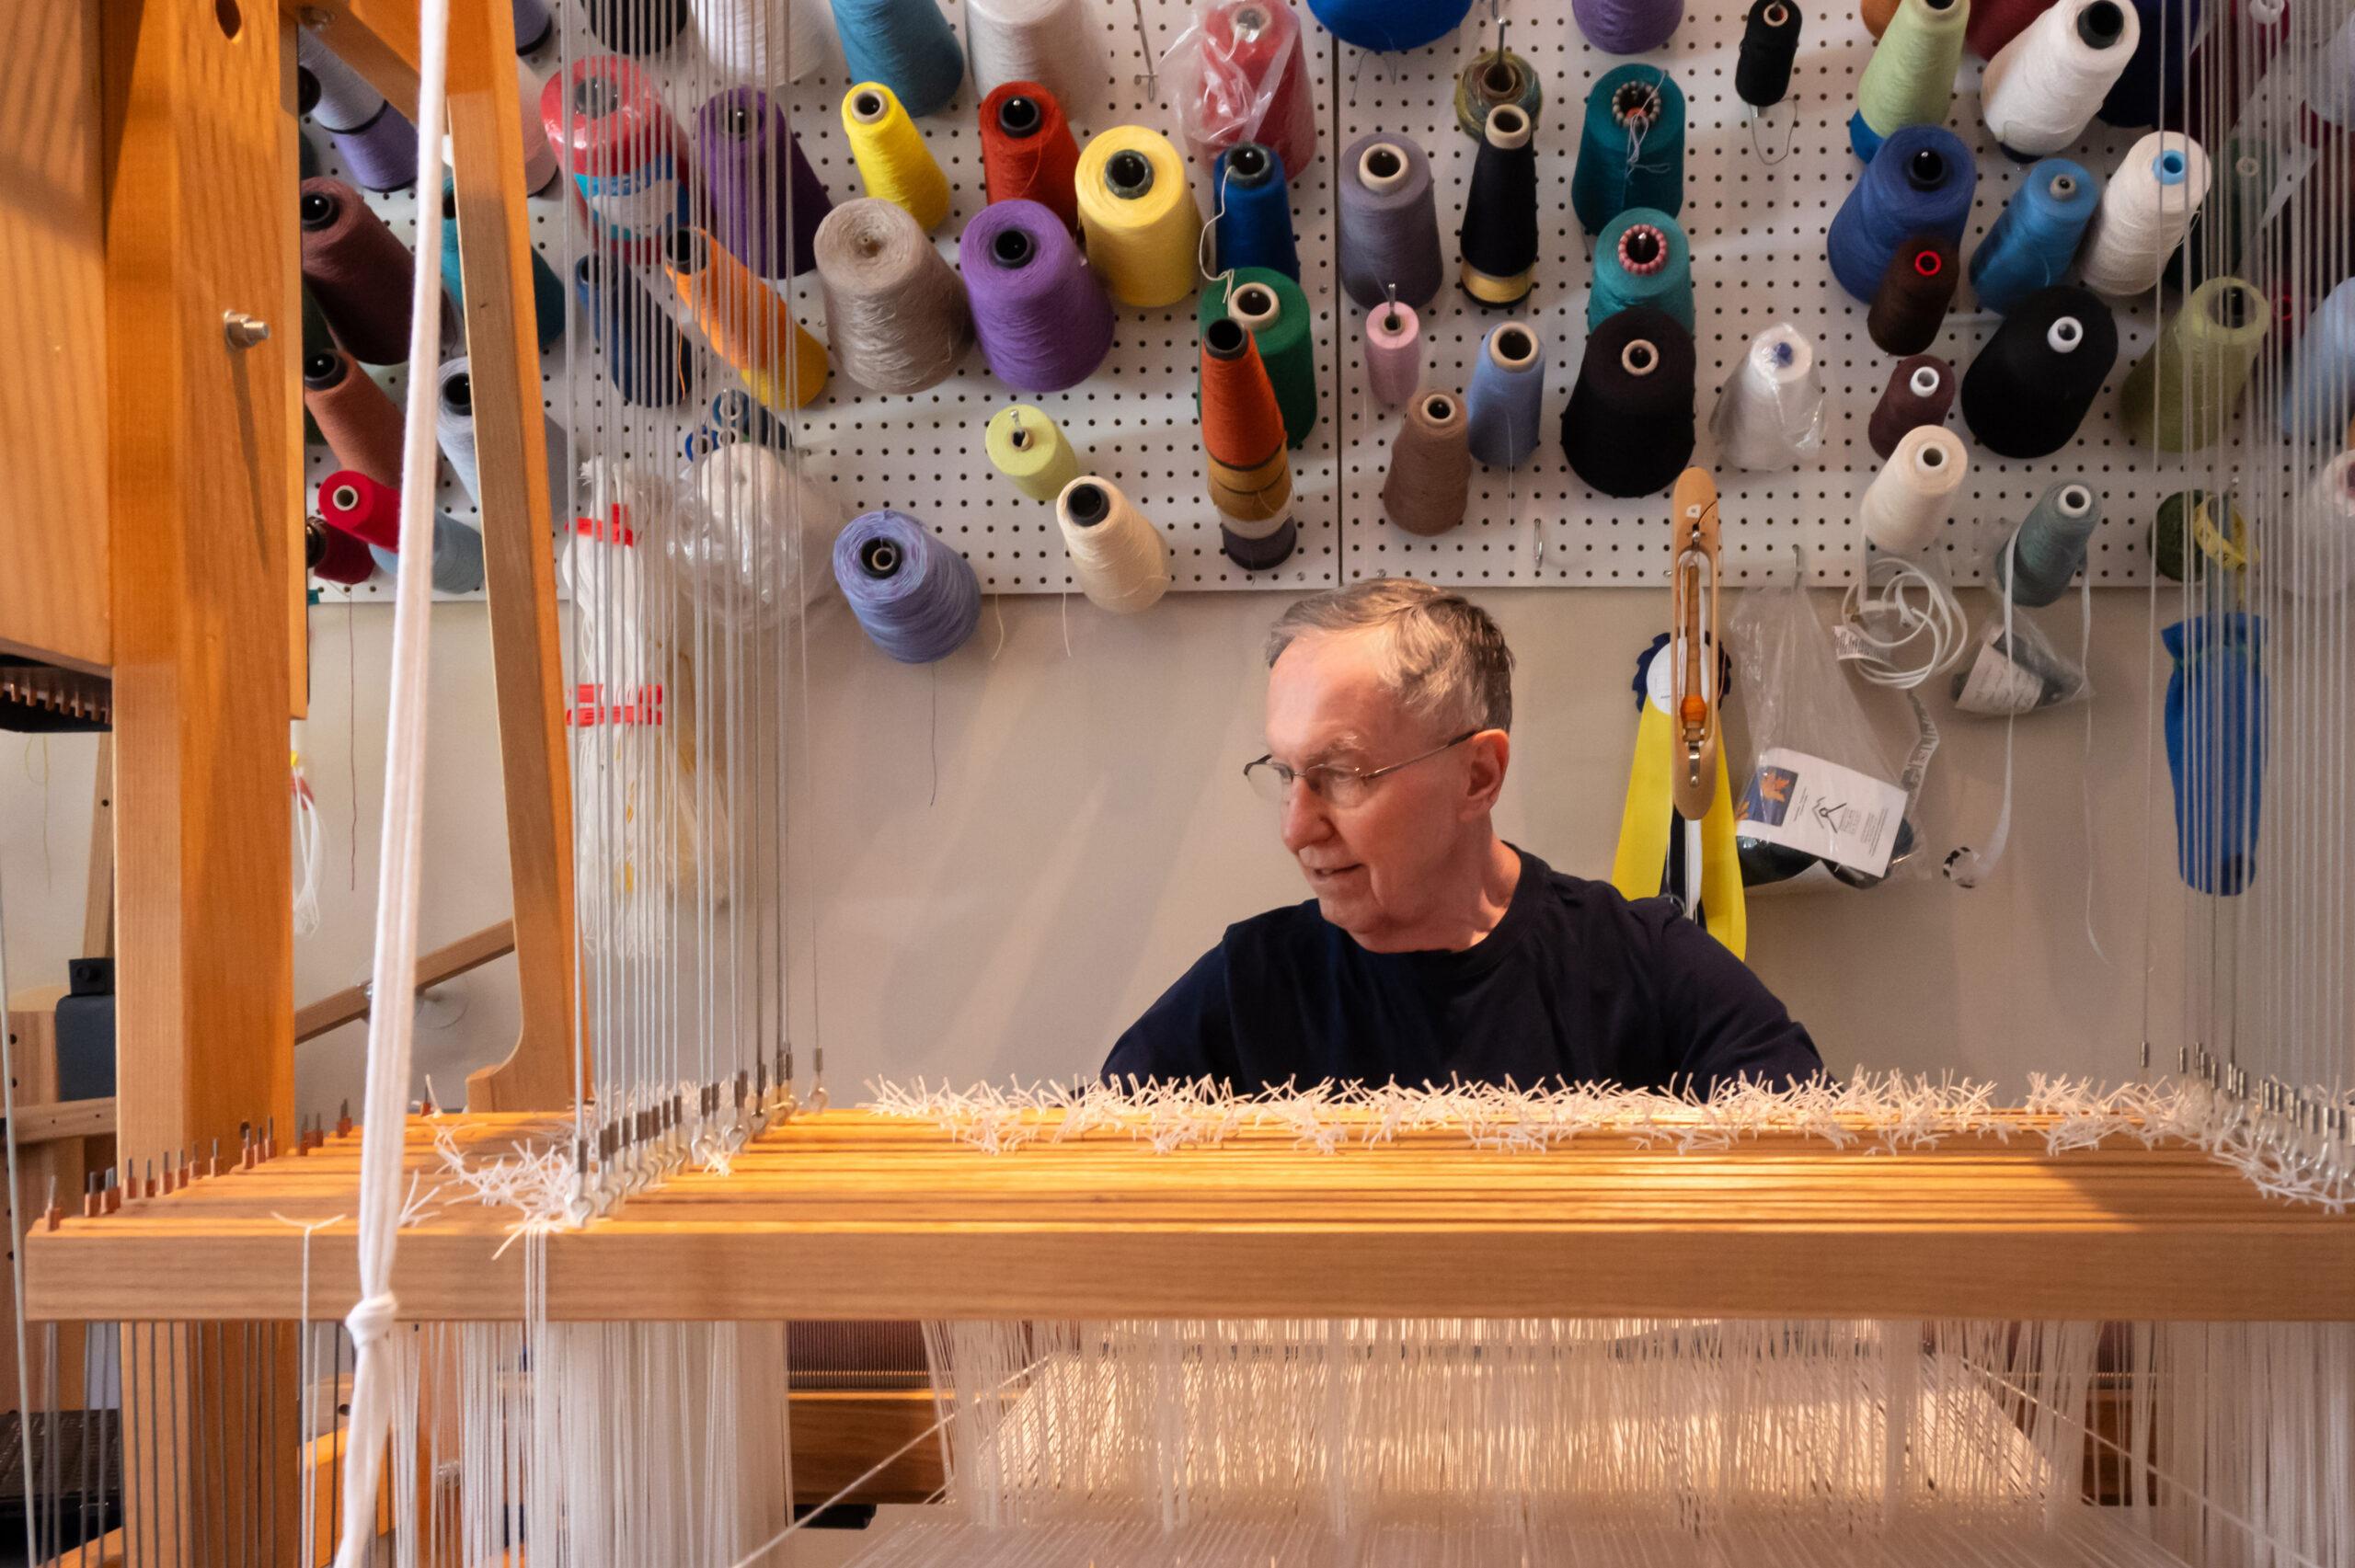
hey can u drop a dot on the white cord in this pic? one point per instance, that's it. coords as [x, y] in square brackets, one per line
[1900, 624]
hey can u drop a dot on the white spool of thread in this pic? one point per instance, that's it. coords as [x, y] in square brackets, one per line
[1119, 556]
[2321, 526]
[751, 39]
[1770, 411]
[2145, 211]
[2043, 88]
[1051, 42]
[1907, 500]
[752, 547]
[454, 423]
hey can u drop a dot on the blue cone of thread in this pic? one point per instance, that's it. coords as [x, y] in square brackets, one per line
[1617, 168]
[907, 45]
[1253, 224]
[1387, 26]
[1919, 183]
[2215, 722]
[915, 598]
[644, 357]
[457, 557]
[1615, 287]
[2037, 235]
[2049, 545]
[1504, 405]
[547, 294]
[2322, 368]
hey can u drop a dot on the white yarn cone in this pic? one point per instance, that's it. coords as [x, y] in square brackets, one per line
[1770, 411]
[2043, 88]
[1051, 42]
[751, 40]
[2320, 561]
[2145, 211]
[1119, 556]
[1907, 500]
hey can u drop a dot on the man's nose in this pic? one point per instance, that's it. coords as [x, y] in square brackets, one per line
[1305, 820]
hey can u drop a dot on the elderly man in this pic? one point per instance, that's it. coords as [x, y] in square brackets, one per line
[1432, 948]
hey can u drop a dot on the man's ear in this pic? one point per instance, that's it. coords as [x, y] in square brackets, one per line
[1491, 752]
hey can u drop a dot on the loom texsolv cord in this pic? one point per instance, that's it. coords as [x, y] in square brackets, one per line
[1119, 556]
[1427, 487]
[766, 202]
[1137, 211]
[1911, 303]
[1246, 454]
[362, 507]
[1388, 239]
[1027, 152]
[1641, 257]
[1394, 354]
[1631, 146]
[606, 119]
[895, 309]
[2043, 90]
[2319, 381]
[2031, 386]
[1910, 78]
[547, 294]
[1049, 44]
[1275, 311]
[1627, 27]
[1252, 227]
[637, 27]
[916, 598]
[1903, 507]
[1248, 83]
[1627, 430]
[2036, 239]
[2145, 212]
[1495, 76]
[645, 355]
[1503, 406]
[906, 45]
[2040, 557]
[1042, 318]
[1498, 238]
[1025, 445]
[746, 321]
[357, 269]
[1919, 392]
[457, 557]
[1770, 46]
[2180, 396]
[1920, 182]
[376, 144]
[2155, 71]
[360, 424]
[333, 556]
[894, 164]
[1770, 412]
[1389, 26]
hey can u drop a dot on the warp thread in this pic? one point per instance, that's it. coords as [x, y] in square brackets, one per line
[1120, 558]
[1028, 152]
[1388, 242]
[1049, 44]
[2321, 373]
[1247, 457]
[2181, 395]
[1907, 501]
[637, 27]
[375, 141]
[2036, 237]
[1492, 77]
[1770, 47]
[1910, 78]
[1394, 354]
[906, 45]
[1627, 430]
[645, 354]
[1627, 27]
[1920, 391]
[1919, 183]
[746, 321]
[1143, 231]
[1427, 488]
[547, 294]
[766, 200]
[915, 598]
[604, 118]
[1389, 26]
[1252, 224]
[1042, 318]
[2145, 211]
[763, 43]
[2154, 74]
[1498, 238]
[362, 507]
[1911, 303]
[1631, 150]
[2043, 553]
[360, 424]
[2043, 87]
[1025, 445]
[1770, 412]
[1242, 75]
[895, 309]
[1275, 311]
[1503, 405]
[894, 164]
[1641, 257]
[2030, 388]
[358, 270]
[333, 556]
[457, 555]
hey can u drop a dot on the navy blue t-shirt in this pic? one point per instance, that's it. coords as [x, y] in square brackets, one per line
[1574, 983]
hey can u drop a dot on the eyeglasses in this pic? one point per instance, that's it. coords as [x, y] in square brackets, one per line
[1332, 784]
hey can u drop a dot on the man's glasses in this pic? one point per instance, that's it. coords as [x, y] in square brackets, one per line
[1334, 785]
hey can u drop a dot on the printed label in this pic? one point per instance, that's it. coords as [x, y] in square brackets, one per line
[1805, 803]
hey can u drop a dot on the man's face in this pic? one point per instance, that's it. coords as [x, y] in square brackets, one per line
[1375, 866]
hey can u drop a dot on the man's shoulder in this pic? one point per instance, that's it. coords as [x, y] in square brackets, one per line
[1597, 905]
[1286, 926]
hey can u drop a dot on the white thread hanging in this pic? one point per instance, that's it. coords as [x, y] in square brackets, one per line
[751, 39]
[306, 851]
[1907, 501]
[1770, 411]
[1900, 624]
[1051, 42]
[1119, 556]
[2146, 209]
[2043, 88]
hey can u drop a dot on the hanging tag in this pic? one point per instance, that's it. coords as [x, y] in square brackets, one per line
[1804, 803]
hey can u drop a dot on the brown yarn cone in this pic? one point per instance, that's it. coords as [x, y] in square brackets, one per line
[360, 423]
[1911, 303]
[1430, 465]
[358, 270]
[1903, 405]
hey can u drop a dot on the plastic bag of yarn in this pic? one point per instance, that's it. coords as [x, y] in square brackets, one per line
[1239, 73]
[2014, 669]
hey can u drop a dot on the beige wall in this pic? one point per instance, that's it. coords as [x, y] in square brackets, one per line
[1090, 837]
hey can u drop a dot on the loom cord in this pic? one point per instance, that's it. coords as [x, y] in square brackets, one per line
[358, 270]
[1499, 237]
[895, 309]
[1910, 306]
[1137, 211]
[1027, 152]
[1276, 310]
[1631, 149]
[1043, 320]
[1388, 240]
[1627, 430]
[1427, 488]
[894, 164]
[358, 421]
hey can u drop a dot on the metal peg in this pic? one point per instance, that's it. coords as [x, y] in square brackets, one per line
[244, 331]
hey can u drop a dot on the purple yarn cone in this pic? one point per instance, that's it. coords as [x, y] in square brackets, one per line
[1041, 314]
[738, 135]
[1627, 27]
[380, 155]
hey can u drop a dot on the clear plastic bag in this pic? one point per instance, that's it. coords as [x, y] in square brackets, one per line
[1237, 74]
[2014, 669]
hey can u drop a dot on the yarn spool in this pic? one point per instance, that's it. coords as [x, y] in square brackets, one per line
[1910, 78]
[362, 507]
[646, 356]
[359, 423]
[541, 170]
[894, 165]
[1427, 488]
[1499, 233]
[736, 416]
[1027, 446]
[1027, 152]
[375, 144]
[2145, 212]
[1920, 183]
[1043, 320]
[1253, 225]
[1394, 354]
[637, 27]
[333, 556]
[905, 45]
[547, 294]
[606, 118]
[1049, 44]
[766, 202]
[2181, 395]
[2185, 536]
[1992, 23]
[2224, 238]
[317, 340]
[2321, 373]
[763, 43]
[1250, 84]
[1907, 501]
[2045, 552]
[1631, 153]
[1144, 230]
[308, 165]
[1388, 239]
[1770, 46]
[1641, 258]
[453, 426]
[1389, 26]
[2029, 388]
[1257, 551]
[2155, 71]
[1119, 557]
[1874, 15]
[746, 321]
[534, 26]
[1770, 411]
[1498, 77]
[1920, 391]
[895, 309]
[1627, 430]
[1911, 303]
[1503, 406]
[2232, 57]
[358, 270]
[2043, 88]
[1627, 27]
[457, 557]
[746, 542]
[915, 598]
[2036, 238]
[1275, 311]
[1247, 461]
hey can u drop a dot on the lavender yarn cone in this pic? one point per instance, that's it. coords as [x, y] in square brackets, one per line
[750, 166]
[1041, 314]
[1627, 27]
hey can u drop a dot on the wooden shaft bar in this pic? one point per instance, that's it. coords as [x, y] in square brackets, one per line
[444, 963]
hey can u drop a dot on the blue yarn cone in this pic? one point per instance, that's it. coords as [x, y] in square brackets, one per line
[1254, 223]
[2216, 700]
[2037, 237]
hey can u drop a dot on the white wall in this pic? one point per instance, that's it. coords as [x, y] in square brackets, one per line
[1088, 835]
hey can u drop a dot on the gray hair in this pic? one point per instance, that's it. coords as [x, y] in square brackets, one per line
[1445, 658]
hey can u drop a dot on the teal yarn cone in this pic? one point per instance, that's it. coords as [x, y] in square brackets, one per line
[547, 294]
[1641, 258]
[1631, 149]
[2049, 545]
